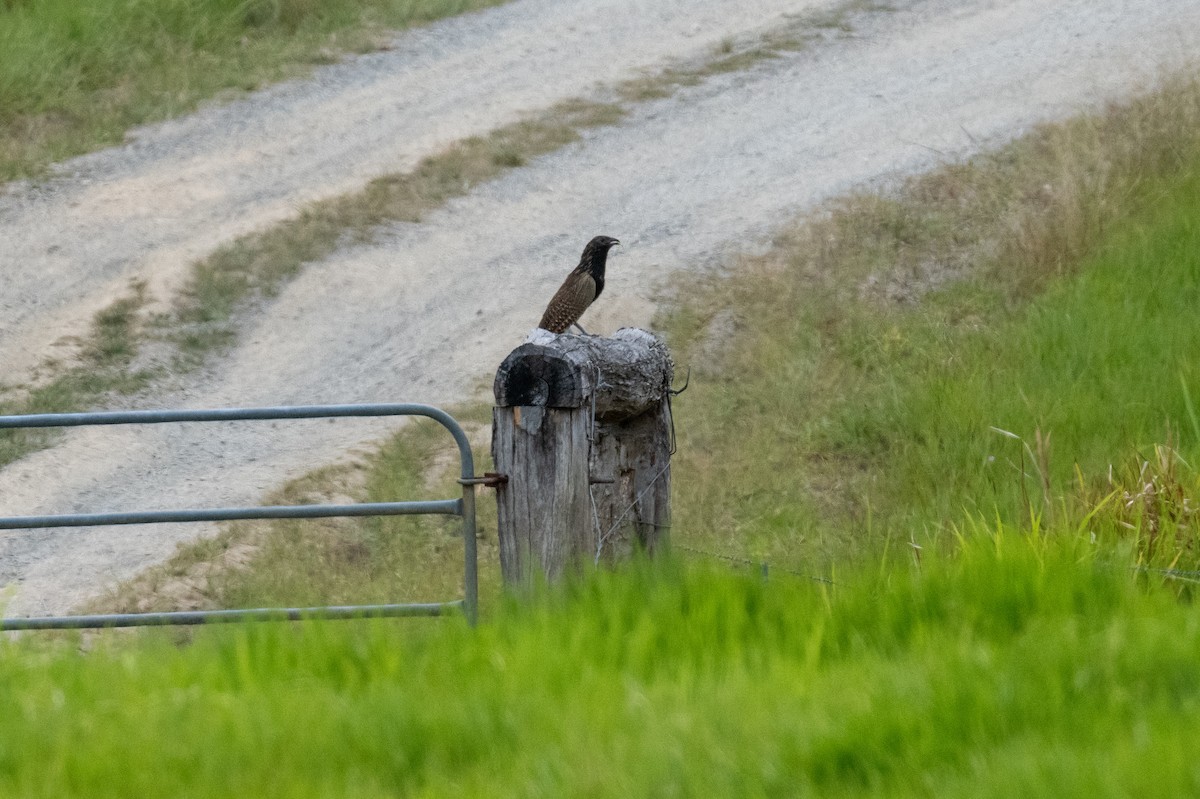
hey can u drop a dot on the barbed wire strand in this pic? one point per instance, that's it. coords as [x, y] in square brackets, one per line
[637, 499]
[763, 565]
[1184, 575]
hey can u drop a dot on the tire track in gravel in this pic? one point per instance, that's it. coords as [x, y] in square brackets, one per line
[180, 189]
[428, 309]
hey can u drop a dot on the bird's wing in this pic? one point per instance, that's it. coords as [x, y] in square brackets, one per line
[569, 302]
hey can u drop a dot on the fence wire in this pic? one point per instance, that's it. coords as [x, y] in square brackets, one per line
[764, 567]
[1183, 575]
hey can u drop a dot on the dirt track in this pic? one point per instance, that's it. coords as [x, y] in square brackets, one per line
[427, 311]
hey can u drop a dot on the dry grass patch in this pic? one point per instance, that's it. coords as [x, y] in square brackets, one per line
[104, 363]
[194, 577]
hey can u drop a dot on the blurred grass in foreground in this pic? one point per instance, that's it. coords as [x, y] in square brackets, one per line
[1019, 666]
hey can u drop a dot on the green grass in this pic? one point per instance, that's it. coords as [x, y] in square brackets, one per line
[847, 383]
[75, 76]
[1020, 666]
[1096, 367]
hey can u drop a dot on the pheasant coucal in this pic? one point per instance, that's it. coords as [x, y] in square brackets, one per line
[580, 289]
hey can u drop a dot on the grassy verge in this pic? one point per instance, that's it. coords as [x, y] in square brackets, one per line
[1019, 666]
[852, 377]
[76, 76]
[1098, 368]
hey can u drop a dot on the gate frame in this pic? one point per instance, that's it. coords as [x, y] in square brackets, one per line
[463, 507]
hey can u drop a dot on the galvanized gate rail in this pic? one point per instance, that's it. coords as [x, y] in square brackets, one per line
[463, 507]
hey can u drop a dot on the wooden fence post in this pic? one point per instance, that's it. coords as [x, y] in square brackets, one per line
[582, 430]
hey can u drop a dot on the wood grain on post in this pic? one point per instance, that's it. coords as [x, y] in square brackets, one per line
[582, 429]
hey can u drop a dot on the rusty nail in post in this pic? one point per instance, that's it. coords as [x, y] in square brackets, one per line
[489, 479]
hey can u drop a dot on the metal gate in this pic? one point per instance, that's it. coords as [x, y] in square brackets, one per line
[463, 507]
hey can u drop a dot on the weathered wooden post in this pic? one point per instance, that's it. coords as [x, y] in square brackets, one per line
[582, 430]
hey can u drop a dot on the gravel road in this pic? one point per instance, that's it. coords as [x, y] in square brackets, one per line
[428, 310]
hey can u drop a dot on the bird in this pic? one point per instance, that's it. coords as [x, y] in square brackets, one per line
[580, 289]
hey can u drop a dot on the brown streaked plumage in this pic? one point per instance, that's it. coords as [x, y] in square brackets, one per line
[580, 289]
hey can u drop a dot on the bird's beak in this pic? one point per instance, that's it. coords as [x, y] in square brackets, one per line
[615, 242]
